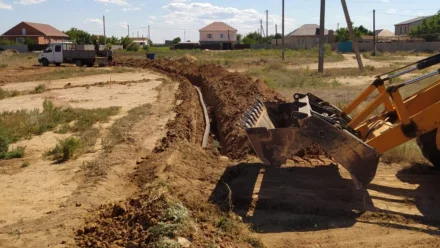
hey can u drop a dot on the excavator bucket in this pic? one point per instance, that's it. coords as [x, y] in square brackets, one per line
[277, 131]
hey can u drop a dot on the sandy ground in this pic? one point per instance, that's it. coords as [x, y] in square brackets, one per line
[42, 204]
[103, 78]
[127, 96]
[316, 206]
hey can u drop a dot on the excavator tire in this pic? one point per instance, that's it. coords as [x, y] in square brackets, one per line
[428, 146]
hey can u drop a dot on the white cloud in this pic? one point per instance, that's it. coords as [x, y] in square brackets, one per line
[117, 2]
[131, 9]
[5, 6]
[197, 15]
[123, 24]
[385, 1]
[153, 17]
[93, 20]
[391, 11]
[26, 2]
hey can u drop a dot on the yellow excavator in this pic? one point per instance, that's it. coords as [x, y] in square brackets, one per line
[277, 131]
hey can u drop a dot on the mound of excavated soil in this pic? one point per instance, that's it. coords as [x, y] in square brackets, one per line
[228, 95]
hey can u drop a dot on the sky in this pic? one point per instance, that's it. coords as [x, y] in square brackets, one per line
[183, 18]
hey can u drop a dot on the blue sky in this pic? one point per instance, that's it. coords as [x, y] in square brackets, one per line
[171, 18]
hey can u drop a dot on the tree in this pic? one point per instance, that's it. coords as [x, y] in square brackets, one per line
[113, 40]
[278, 36]
[29, 41]
[429, 29]
[176, 40]
[239, 38]
[79, 36]
[342, 35]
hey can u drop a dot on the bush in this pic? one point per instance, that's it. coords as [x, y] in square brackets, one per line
[40, 88]
[145, 48]
[65, 149]
[132, 47]
[18, 152]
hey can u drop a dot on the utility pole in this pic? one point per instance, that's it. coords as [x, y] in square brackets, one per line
[103, 23]
[338, 26]
[276, 33]
[128, 30]
[283, 51]
[138, 34]
[374, 32]
[353, 38]
[184, 35]
[321, 38]
[149, 38]
[267, 27]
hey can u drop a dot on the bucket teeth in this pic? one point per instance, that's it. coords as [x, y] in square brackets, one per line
[251, 116]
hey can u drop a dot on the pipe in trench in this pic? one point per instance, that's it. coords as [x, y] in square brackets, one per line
[207, 122]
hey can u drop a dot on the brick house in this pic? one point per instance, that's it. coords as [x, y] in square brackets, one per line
[218, 33]
[307, 36]
[405, 27]
[39, 33]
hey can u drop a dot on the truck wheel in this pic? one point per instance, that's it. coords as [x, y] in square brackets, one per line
[79, 63]
[57, 64]
[45, 62]
[90, 65]
[428, 146]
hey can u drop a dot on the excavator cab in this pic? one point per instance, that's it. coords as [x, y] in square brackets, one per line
[277, 131]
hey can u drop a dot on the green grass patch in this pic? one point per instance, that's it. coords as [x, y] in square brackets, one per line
[25, 164]
[16, 125]
[65, 150]
[118, 131]
[3, 66]
[8, 93]
[40, 89]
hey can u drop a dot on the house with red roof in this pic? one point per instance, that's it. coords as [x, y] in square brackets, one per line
[37, 32]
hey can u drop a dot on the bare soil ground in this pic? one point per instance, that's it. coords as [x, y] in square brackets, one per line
[44, 202]
[232, 199]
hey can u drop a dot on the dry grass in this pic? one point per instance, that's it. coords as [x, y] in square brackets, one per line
[21, 59]
[408, 153]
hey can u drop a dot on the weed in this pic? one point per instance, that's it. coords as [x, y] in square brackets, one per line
[63, 129]
[65, 150]
[254, 242]
[94, 169]
[17, 152]
[228, 226]
[167, 243]
[40, 88]
[369, 68]
[118, 131]
[408, 152]
[3, 65]
[25, 164]
[16, 125]
[7, 93]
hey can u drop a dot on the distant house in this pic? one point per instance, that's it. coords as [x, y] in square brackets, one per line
[141, 41]
[218, 33]
[405, 27]
[39, 33]
[308, 35]
[384, 33]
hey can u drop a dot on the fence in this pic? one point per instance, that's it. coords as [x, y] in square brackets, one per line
[19, 48]
[401, 46]
[334, 46]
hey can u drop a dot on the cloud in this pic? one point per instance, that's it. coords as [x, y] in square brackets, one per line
[197, 15]
[117, 2]
[123, 24]
[93, 20]
[131, 9]
[5, 6]
[391, 11]
[26, 2]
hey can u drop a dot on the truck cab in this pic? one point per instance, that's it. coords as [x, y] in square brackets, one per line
[52, 54]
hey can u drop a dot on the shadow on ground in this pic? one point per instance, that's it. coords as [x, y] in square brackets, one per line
[290, 199]
[315, 198]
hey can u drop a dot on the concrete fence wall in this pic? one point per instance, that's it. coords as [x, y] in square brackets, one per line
[19, 48]
[401, 46]
[334, 46]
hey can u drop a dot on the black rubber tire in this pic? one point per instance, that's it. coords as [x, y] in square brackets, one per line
[57, 64]
[45, 62]
[90, 65]
[79, 63]
[428, 146]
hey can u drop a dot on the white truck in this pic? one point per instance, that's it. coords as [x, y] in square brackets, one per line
[57, 53]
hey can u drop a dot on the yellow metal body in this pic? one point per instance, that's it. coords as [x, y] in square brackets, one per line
[401, 121]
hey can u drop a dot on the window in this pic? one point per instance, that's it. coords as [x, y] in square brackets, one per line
[222, 36]
[406, 30]
[209, 36]
[23, 31]
[57, 48]
[48, 50]
[20, 40]
[401, 30]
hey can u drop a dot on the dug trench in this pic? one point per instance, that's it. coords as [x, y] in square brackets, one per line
[190, 195]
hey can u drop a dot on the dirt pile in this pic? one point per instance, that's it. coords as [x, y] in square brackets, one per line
[9, 52]
[228, 95]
